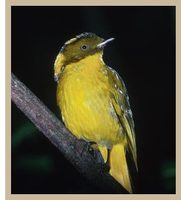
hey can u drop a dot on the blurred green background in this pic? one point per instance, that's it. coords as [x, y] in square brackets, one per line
[143, 54]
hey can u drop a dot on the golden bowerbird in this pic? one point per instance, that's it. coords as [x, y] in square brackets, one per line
[94, 103]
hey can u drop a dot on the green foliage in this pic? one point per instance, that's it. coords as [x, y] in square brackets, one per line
[168, 176]
[40, 163]
[23, 132]
[30, 161]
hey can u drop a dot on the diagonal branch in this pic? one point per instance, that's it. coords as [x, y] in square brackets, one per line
[73, 149]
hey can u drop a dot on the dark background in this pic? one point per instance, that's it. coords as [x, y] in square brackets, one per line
[144, 55]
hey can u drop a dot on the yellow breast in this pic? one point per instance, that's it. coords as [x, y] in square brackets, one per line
[84, 99]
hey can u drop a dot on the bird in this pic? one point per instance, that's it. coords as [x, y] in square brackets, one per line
[94, 103]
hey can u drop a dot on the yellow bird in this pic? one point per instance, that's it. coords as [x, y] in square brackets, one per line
[94, 102]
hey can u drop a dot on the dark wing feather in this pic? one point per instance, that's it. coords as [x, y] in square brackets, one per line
[120, 102]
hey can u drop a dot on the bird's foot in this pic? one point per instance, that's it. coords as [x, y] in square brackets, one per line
[92, 148]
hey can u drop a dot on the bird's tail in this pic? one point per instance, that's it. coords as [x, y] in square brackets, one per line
[118, 166]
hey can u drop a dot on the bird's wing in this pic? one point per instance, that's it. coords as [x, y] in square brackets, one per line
[120, 102]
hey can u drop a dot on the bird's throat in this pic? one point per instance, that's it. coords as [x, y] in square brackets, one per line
[89, 65]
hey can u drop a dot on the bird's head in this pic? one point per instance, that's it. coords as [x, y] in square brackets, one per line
[78, 48]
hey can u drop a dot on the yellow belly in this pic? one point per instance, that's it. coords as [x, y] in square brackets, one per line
[86, 108]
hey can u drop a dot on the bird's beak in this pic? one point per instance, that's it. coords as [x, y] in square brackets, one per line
[104, 43]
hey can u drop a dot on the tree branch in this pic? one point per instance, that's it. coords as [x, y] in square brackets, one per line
[73, 149]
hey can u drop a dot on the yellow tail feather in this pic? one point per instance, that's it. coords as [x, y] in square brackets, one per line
[118, 166]
[104, 152]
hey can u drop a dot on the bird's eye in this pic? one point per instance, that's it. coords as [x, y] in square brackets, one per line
[84, 47]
